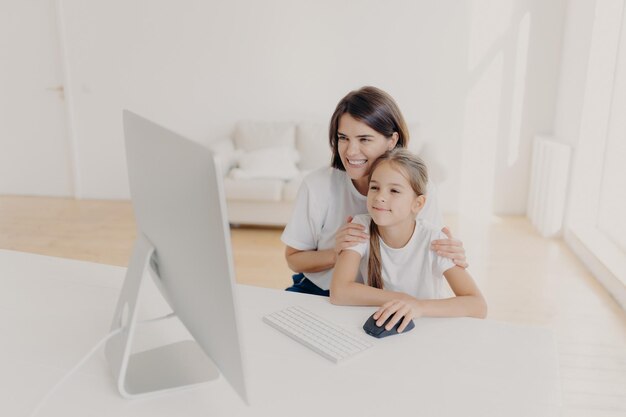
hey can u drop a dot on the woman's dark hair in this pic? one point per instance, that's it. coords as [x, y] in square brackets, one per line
[414, 170]
[376, 109]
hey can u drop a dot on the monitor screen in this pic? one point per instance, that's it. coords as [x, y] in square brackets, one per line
[184, 241]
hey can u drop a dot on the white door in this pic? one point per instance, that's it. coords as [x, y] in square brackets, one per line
[35, 154]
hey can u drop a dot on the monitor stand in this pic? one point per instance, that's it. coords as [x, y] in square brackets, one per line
[163, 369]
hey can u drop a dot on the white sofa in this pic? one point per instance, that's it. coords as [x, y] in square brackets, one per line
[263, 164]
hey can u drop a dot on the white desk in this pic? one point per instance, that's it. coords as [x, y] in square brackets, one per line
[54, 310]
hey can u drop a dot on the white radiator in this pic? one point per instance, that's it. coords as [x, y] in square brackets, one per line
[548, 185]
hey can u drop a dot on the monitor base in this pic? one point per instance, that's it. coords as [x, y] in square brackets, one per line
[166, 368]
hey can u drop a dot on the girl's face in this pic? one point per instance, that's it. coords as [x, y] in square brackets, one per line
[359, 146]
[391, 199]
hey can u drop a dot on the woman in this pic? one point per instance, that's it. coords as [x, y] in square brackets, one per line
[366, 123]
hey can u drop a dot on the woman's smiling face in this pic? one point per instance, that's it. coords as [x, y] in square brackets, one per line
[359, 146]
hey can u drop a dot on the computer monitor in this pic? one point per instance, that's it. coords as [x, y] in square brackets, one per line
[183, 241]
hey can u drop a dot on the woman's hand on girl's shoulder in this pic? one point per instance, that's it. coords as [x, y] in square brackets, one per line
[451, 248]
[401, 309]
[349, 235]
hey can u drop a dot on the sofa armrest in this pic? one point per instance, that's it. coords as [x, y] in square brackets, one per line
[225, 153]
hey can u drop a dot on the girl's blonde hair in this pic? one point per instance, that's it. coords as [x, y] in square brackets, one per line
[414, 170]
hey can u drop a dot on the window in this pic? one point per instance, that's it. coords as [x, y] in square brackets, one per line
[596, 224]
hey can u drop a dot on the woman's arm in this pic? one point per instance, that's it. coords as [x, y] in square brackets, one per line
[450, 248]
[309, 260]
[352, 234]
[344, 289]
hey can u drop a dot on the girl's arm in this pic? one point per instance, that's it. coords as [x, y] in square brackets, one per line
[469, 302]
[344, 289]
[310, 260]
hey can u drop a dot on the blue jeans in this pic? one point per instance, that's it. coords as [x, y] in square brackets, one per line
[303, 285]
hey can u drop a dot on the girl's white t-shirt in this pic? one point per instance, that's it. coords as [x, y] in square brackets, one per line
[325, 199]
[413, 269]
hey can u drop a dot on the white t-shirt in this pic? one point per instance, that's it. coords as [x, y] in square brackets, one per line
[324, 201]
[413, 269]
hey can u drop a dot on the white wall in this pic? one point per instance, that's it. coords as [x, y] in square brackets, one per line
[34, 150]
[199, 66]
[508, 94]
[573, 72]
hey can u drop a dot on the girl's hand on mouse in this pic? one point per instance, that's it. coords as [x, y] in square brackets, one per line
[349, 235]
[408, 308]
[450, 248]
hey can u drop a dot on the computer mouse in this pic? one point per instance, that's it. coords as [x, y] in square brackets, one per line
[372, 329]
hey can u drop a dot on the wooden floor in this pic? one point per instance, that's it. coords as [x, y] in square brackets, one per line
[525, 278]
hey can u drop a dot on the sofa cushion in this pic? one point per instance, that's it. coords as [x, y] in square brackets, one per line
[224, 153]
[253, 189]
[278, 162]
[250, 136]
[312, 144]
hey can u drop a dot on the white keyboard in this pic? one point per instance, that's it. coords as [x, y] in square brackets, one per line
[322, 336]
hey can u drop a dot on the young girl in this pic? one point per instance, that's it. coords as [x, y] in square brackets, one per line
[404, 276]
[365, 124]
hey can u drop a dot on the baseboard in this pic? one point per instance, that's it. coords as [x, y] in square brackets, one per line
[602, 257]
